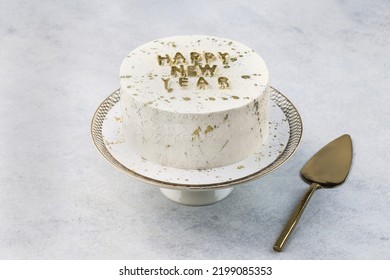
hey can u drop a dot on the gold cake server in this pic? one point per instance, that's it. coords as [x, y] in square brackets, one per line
[328, 168]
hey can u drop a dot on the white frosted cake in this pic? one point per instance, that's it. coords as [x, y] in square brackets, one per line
[194, 102]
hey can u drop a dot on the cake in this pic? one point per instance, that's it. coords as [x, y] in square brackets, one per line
[194, 102]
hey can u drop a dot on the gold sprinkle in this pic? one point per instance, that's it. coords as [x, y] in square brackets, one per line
[196, 133]
[235, 97]
[212, 98]
[185, 98]
[240, 167]
[245, 76]
[208, 129]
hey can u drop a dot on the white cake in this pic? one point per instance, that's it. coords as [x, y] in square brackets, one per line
[194, 102]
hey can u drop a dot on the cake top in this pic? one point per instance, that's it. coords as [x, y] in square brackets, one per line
[194, 74]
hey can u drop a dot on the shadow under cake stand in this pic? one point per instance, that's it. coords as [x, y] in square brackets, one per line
[199, 186]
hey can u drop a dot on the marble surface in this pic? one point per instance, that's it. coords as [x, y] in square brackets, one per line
[60, 199]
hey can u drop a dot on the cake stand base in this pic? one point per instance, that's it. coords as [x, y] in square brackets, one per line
[196, 197]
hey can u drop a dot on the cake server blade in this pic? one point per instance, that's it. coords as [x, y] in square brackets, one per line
[328, 168]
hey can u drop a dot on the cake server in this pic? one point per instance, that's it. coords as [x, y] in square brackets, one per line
[328, 168]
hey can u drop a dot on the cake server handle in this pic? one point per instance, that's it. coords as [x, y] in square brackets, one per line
[294, 218]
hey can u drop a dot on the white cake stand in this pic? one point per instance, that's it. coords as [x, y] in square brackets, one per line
[205, 186]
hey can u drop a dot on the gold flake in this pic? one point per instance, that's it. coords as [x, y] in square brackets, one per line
[208, 129]
[245, 76]
[196, 133]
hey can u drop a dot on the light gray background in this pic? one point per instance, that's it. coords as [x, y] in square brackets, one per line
[60, 199]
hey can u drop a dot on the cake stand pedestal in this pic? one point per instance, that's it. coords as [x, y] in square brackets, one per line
[196, 197]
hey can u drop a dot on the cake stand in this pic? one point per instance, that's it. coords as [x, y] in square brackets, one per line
[198, 186]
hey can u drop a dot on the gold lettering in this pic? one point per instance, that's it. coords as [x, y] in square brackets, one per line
[166, 84]
[223, 82]
[224, 57]
[195, 57]
[183, 82]
[209, 57]
[179, 58]
[196, 69]
[175, 70]
[191, 71]
[162, 58]
[207, 70]
[202, 83]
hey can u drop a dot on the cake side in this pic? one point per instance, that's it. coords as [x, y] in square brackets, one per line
[195, 141]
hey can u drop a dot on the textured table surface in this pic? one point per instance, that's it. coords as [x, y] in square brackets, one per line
[60, 199]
